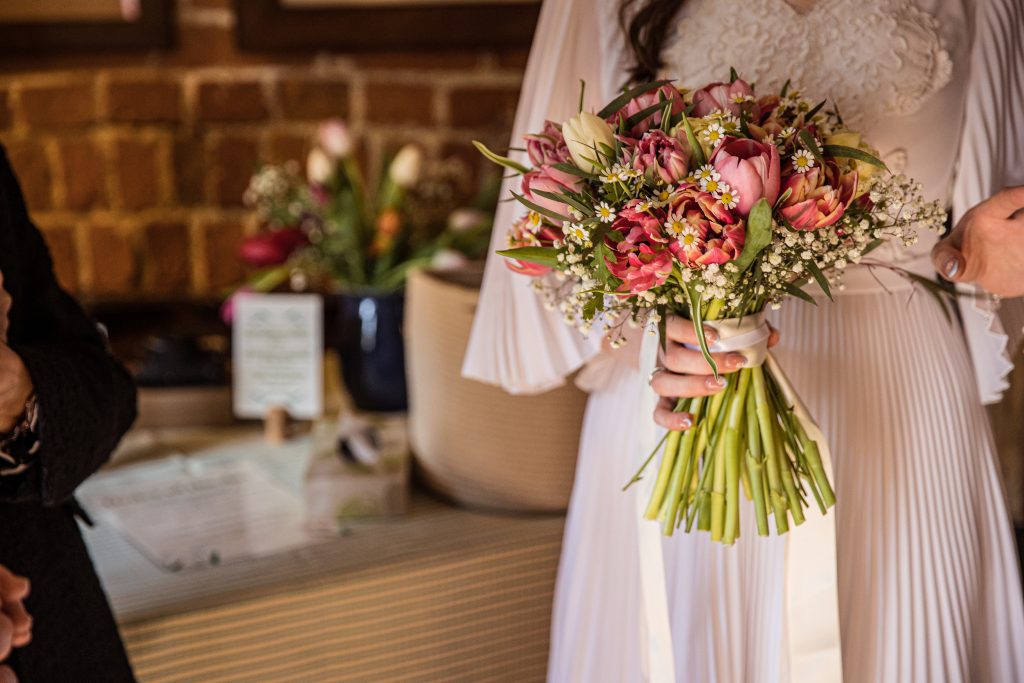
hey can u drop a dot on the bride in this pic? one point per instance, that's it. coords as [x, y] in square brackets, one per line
[928, 585]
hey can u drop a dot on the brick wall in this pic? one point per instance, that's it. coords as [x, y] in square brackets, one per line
[134, 165]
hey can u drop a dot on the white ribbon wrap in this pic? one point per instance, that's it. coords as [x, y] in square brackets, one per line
[811, 600]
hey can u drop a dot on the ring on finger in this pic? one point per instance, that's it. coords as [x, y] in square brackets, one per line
[654, 373]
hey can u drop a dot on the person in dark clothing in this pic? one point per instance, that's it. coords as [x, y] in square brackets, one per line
[65, 402]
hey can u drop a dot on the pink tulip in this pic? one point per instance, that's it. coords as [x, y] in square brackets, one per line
[272, 248]
[818, 199]
[713, 234]
[525, 233]
[663, 95]
[724, 96]
[642, 269]
[550, 179]
[752, 169]
[662, 156]
[547, 147]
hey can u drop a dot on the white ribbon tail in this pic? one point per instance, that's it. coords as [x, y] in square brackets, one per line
[812, 591]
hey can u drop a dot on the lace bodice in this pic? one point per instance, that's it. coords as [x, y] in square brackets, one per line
[895, 68]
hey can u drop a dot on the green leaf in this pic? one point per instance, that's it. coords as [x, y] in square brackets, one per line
[500, 160]
[623, 99]
[733, 76]
[935, 290]
[543, 256]
[810, 115]
[759, 234]
[811, 145]
[853, 153]
[574, 170]
[819, 277]
[697, 316]
[554, 215]
[644, 113]
[785, 88]
[600, 263]
[783, 197]
[696, 151]
[798, 293]
[566, 199]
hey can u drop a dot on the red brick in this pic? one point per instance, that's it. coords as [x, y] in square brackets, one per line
[224, 269]
[313, 98]
[47, 106]
[190, 170]
[114, 261]
[282, 147]
[234, 160]
[399, 104]
[476, 107]
[84, 172]
[33, 170]
[166, 261]
[150, 100]
[418, 60]
[64, 252]
[136, 163]
[231, 101]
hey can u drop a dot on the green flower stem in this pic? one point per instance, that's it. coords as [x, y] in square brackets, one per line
[765, 417]
[755, 466]
[816, 467]
[679, 476]
[718, 492]
[668, 459]
[687, 483]
[733, 427]
[796, 504]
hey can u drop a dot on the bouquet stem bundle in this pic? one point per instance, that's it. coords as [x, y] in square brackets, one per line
[749, 435]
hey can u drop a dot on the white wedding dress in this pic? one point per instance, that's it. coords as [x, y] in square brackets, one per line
[929, 588]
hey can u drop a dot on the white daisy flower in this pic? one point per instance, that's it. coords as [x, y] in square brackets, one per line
[533, 221]
[787, 132]
[712, 185]
[675, 225]
[605, 213]
[714, 133]
[803, 161]
[645, 205]
[609, 175]
[728, 196]
[577, 232]
[706, 172]
[665, 194]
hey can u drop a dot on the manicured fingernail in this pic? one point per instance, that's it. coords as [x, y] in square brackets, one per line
[716, 382]
[710, 335]
[685, 421]
[736, 360]
[951, 267]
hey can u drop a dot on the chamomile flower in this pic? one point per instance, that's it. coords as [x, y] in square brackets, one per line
[533, 221]
[675, 225]
[714, 133]
[787, 132]
[645, 205]
[730, 123]
[712, 185]
[577, 232]
[706, 172]
[728, 196]
[609, 176]
[689, 235]
[740, 98]
[803, 161]
[605, 213]
[665, 194]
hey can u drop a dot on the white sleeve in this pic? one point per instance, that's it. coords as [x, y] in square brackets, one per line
[515, 342]
[991, 158]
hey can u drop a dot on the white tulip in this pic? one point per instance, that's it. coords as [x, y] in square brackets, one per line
[406, 167]
[335, 138]
[319, 167]
[585, 133]
[448, 259]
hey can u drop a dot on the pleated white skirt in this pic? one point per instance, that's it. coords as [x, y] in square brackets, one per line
[928, 580]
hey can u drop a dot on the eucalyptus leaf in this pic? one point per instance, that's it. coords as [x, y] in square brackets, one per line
[500, 160]
[853, 153]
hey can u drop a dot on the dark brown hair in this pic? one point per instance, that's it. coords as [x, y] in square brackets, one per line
[646, 24]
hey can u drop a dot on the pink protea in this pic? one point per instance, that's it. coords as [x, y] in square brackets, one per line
[550, 179]
[727, 97]
[547, 147]
[663, 95]
[819, 198]
[658, 155]
[530, 231]
[705, 231]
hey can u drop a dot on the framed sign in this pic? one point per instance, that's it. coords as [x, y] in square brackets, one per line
[382, 25]
[85, 25]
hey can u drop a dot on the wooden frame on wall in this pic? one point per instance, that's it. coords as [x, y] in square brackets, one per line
[357, 27]
[152, 29]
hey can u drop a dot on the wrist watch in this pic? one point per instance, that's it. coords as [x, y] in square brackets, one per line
[18, 447]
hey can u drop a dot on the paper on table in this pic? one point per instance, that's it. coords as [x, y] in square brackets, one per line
[183, 515]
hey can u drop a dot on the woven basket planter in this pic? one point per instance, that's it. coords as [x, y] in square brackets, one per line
[473, 443]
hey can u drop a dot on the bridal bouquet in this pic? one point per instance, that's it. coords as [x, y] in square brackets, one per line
[713, 204]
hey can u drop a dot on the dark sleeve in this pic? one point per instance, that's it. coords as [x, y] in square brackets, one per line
[86, 398]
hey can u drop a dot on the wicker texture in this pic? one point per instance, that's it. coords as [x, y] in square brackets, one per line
[474, 443]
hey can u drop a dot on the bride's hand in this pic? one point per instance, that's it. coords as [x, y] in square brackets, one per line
[686, 374]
